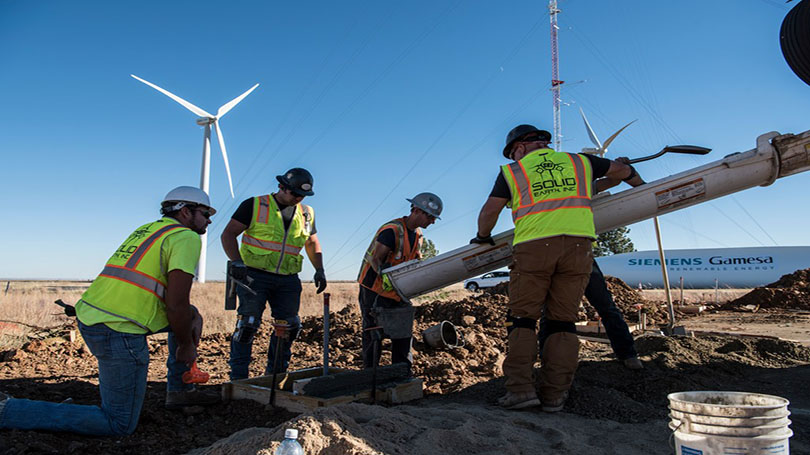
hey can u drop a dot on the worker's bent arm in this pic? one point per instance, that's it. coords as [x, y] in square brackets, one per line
[228, 239]
[489, 215]
[313, 247]
[378, 256]
[620, 171]
[178, 308]
[604, 184]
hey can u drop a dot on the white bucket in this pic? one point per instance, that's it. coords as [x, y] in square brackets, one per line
[442, 335]
[725, 423]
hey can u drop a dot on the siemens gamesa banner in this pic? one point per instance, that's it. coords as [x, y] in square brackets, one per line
[731, 267]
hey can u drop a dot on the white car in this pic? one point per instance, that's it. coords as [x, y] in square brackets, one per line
[486, 280]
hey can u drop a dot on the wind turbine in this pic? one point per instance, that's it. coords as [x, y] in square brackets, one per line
[601, 149]
[205, 119]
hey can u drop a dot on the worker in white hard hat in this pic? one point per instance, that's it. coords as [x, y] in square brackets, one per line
[549, 193]
[395, 242]
[276, 229]
[143, 289]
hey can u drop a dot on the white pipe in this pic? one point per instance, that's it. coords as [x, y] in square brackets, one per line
[774, 157]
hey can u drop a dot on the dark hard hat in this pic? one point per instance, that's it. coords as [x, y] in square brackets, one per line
[520, 131]
[298, 180]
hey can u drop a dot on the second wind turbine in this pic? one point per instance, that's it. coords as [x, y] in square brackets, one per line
[205, 119]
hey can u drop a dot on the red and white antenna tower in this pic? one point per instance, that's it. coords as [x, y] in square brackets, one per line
[555, 75]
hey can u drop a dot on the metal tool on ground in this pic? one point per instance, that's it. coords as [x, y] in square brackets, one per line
[281, 329]
[682, 149]
[195, 376]
[326, 297]
[775, 156]
[376, 333]
[230, 287]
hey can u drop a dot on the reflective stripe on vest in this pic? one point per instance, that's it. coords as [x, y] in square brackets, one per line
[136, 278]
[552, 204]
[144, 247]
[270, 245]
[527, 204]
[263, 214]
[397, 256]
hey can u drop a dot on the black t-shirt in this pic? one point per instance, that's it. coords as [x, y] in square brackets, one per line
[244, 213]
[599, 165]
[388, 238]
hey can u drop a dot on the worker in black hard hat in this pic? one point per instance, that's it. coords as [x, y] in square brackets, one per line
[550, 196]
[276, 229]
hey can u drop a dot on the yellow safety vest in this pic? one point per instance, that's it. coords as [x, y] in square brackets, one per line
[551, 195]
[266, 245]
[403, 251]
[132, 285]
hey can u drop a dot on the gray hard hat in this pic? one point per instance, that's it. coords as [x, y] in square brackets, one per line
[298, 180]
[520, 131]
[428, 203]
[181, 196]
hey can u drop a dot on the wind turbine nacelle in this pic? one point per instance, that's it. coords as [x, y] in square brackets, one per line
[202, 121]
[591, 151]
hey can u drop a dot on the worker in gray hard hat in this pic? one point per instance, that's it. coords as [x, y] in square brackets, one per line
[276, 229]
[395, 242]
[549, 194]
[143, 289]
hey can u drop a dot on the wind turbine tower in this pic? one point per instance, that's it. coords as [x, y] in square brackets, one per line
[555, 75]
[205, 119]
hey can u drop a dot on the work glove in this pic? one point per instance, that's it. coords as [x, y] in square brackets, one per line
[320, 280]
[238, 270]
[386, 283]
[481, 240]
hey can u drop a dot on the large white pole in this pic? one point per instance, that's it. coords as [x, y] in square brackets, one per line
[204, 176]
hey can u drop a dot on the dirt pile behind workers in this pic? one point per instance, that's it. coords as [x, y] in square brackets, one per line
[791, 291]
[627, 299]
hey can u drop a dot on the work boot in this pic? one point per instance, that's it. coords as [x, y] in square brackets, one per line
[193, 397]
[633, 363]
[555, 404]
[519, 400]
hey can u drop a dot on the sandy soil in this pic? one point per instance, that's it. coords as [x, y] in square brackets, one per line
[611, 409]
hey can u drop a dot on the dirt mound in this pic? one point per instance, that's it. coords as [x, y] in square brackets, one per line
[468, 377]
[791, 291]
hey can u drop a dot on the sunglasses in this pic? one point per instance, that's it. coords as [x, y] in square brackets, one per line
[292, 192]
[204, 213]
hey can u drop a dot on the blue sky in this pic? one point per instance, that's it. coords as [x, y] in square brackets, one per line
[379, 100]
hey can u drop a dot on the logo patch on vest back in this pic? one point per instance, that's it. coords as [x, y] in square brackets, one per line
[553, 179]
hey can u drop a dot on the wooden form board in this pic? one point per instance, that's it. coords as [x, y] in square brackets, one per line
[597, 327]
[259, 389]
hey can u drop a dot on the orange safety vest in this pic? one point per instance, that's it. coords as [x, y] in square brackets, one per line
[403, 251]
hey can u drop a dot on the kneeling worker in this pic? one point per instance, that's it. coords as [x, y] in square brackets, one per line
[274, 228]
[143, 289]
[395, 242]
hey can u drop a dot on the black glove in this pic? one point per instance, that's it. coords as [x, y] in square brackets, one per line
[482, 240]
[238, 270]
[320, 280]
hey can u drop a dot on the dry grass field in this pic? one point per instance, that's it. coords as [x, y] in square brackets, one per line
[28, 305]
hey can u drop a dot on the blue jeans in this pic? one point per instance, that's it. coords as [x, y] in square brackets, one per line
[123, 362]
[600, 299]
[283, 292]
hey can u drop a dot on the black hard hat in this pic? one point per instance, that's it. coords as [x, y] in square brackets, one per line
[298, 180]
[520, 131]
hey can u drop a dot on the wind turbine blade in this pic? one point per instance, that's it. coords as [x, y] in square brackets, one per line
[224, 156]
[171, 95]
[230, 104]
[591, 134]
[610, 139]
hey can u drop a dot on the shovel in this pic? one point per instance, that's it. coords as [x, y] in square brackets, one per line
[683, 149]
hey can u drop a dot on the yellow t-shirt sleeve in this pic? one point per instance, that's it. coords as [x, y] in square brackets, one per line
[181, 251]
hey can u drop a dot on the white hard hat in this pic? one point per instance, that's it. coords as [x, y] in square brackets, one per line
[428, 203]
[179, 197]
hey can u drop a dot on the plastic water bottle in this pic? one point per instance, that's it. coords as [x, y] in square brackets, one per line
[290, 445]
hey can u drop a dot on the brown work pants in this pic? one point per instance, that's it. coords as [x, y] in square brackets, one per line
[548, 275]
